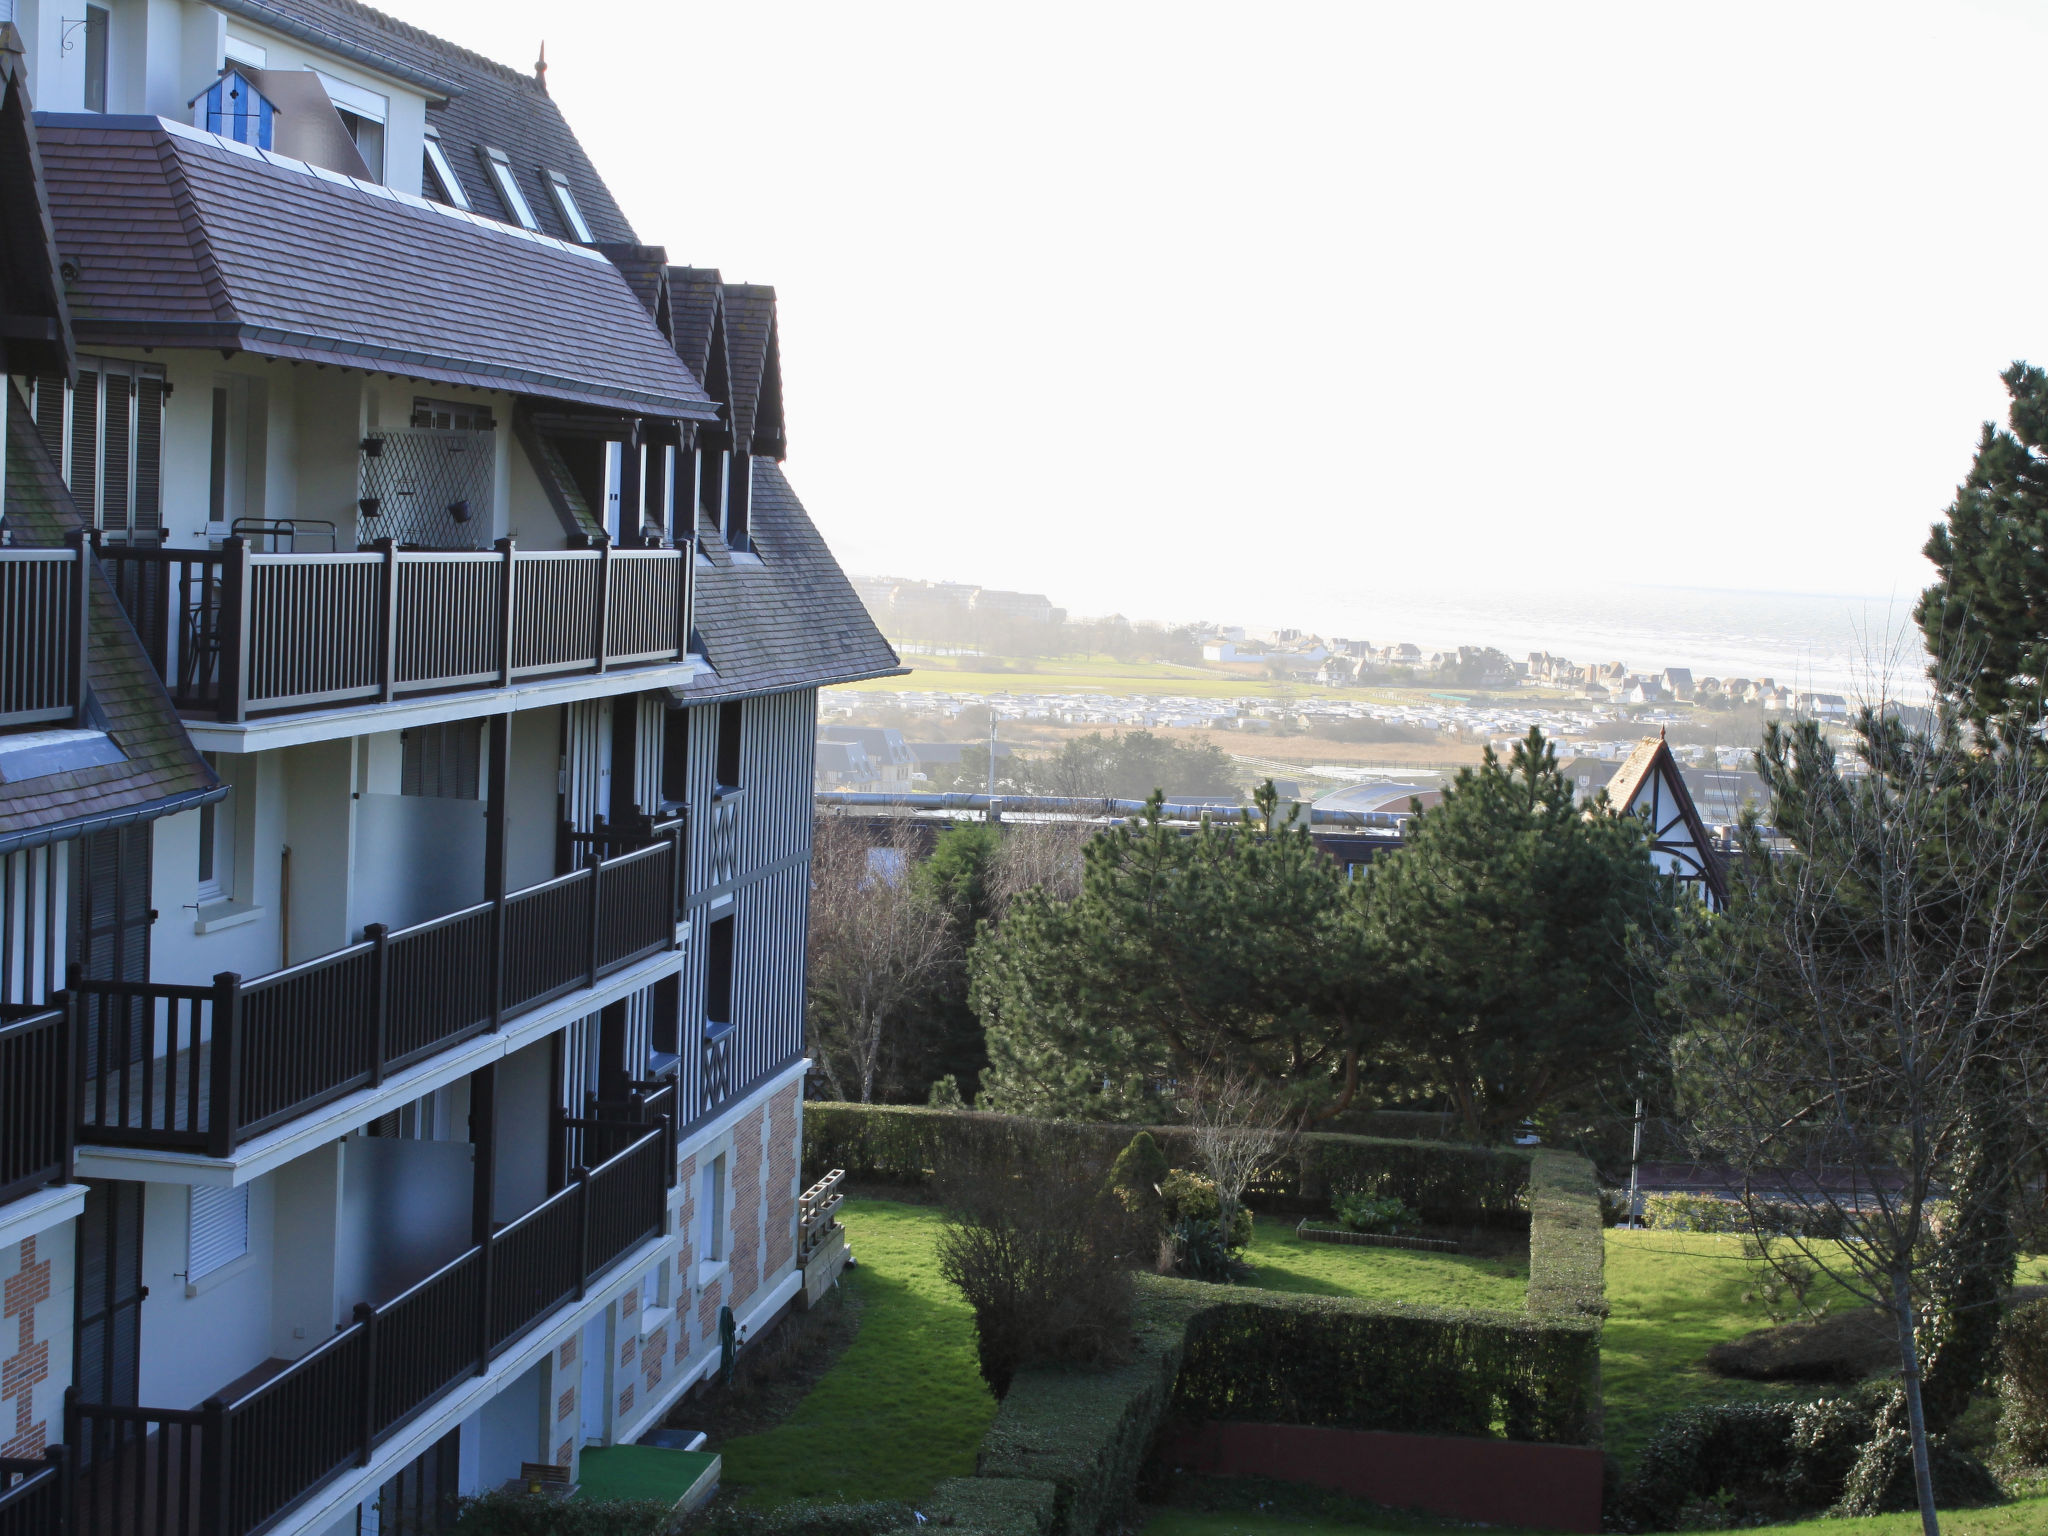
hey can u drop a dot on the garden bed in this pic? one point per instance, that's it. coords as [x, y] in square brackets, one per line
[1310, 1233]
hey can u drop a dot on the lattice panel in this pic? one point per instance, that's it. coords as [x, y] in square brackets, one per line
[428, 489]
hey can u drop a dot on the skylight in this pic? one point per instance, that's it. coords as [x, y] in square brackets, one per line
[499, 164]
[441, 172]
[565, 200]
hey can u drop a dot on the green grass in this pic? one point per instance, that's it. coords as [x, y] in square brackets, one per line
[640, 1472]
[904, 1406]
[2025, 1517]
[1283, 1262]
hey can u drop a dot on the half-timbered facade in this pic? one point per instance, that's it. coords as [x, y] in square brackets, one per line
[1648, 785]
[420, 996]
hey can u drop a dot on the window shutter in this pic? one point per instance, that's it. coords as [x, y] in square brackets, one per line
[114, 459]
[50, 415]
[219, 1229]
[85, 443]
[149, 453]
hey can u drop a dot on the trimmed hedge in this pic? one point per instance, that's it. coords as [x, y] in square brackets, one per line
[904, 1144]
[995, 1506]
[1274, 1358]
[1567, 1247]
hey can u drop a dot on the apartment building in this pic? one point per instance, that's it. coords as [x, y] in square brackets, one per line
[408, 673]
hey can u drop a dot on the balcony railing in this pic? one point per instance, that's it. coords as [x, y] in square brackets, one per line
[33, 1500]
[233, 1468]
[44, 626]
[237, 634]
[35, 1125]
[202, 1068]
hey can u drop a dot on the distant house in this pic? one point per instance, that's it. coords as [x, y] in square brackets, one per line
[1824, 706]
[1677, 681]
[1230, 650]
[845, 765]
[886, 751]
[1650, 785]
[1032, 607]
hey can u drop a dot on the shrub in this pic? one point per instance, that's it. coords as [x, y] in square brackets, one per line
[1567, 1246]
[802, 1517]
[2023, 1384]
[1136, 1176]
[518, 1513]
[1044, 1263]
[1694, 1213]
[1373, 1213]
[995, 1506]
[1199, 1250]
[1842, 1349]
[945, 1094]
[1189, 1197]
[1447, 1182]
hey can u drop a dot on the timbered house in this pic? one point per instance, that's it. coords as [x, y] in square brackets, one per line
[1648, 785]
[408, 680]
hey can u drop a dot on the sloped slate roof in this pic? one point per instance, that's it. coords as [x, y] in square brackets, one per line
[182, 238]
[490, 103]
[792, 620]
[162, 772]
[750, 346]
[695, 295]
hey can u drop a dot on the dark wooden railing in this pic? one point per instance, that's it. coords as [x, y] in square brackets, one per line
[44, 629]
[204, 1068]
[36, 1071]
[232, 1468]
[33, 1495]
[239, 634]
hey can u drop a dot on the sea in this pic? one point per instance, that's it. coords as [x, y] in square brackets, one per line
[1864, 647]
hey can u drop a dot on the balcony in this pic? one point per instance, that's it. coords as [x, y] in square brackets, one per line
[35, 1130]
[238, 635]
[233, 1467]
[43, 633]
[204, 1068]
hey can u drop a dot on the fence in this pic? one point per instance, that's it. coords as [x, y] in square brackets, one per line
[205, 1067]
[237, 633]
[231, 1468]
[44, 630]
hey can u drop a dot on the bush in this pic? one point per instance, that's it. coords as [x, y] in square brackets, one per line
[1136, 1176]
[995, 1506]
[518, 1513]
[1841, 1349]
[2023, 1385]
[1044, 1263]
[1447, 1182]
[1190, 1197]
[1373, 1213]
[802, 1517]
[1714, 1213]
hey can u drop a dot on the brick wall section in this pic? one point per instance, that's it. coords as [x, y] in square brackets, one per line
[783, 1142]
[24, 1421]
[686, 1254]
[744, 1172]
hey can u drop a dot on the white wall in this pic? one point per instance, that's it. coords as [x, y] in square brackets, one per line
[305, 1304]
[320, 829]
[417, 858]
[532, 802]
[524, 1101]
[509, 1431]
[405, 1211]
[194, 1345]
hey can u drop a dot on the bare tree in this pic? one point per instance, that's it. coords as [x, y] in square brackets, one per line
[1238, 1126]
[877, 937]
[1038, 855]
[1857, 1036]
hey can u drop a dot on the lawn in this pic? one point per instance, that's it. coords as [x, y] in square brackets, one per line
[904, 1406]
[1283, 1262]
[2026, 1517]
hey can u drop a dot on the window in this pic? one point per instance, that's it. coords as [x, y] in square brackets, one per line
[711, 1213]
[216, 847]
[711, 487]
[229, 459]
[718, 976]
[439, 180]
[441, 761]
[96, 27]
[452, 416]
[107, 437]
[499, 164]
[675, 757]
[739, 504]
[565, 202]
[241, 51]
[369, 136]
[729, 718]
[218, 1231]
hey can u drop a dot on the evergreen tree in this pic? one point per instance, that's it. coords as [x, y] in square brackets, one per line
[1505, 921]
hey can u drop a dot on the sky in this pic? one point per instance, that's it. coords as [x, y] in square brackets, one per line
[1248, 313]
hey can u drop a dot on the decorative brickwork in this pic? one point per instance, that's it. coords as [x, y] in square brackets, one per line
[565, 1453]
[629, 1349]
[27, 1425]
[626, 1401]
[565, 1404]
[654, 1355]
[566, 1356]
[709, 1300]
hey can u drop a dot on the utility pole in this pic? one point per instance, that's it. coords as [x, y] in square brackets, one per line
[994, 815]
[1635, 1158]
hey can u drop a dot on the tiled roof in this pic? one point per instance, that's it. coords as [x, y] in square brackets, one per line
[177, 238]
[790, 620]
[492, 104]
[162, 770]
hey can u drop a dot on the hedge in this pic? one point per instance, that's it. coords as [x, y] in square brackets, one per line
[1275, 1358]
[1567, 1248]
[995, 1506]
[903, 1144]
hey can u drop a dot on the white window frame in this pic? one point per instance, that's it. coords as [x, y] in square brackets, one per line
[565, 204]
[216, 1229]
[715, 1217]
[444, 173]
[240, 50]
[499, 164]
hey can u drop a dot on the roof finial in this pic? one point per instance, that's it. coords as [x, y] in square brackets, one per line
[540, 67]
[1660, 733]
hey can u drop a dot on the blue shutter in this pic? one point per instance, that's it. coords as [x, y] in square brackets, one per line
[236, 110]
[219, 1230]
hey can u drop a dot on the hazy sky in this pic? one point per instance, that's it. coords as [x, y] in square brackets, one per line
[1192, 310]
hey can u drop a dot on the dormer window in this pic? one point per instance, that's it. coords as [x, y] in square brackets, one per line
[439, 181]
[363, 114]
[565, 203]
[499, 164]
